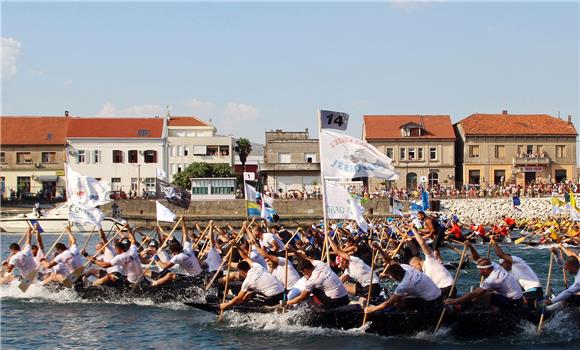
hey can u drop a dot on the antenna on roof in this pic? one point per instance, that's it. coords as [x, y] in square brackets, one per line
[167, 115]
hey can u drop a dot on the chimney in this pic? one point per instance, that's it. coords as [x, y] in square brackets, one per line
[569, 118]
[66, 113]
[505, 112]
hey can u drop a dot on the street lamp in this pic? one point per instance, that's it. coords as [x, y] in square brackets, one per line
[138, 179]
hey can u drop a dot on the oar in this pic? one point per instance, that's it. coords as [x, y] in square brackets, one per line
[563, 272]
[28, 279]
[167, 239]
[287, 263]
[370, 285]
[396, 251]
[457, 272]
[227, 281]
[547, 291]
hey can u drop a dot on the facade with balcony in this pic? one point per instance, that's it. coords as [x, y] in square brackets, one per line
[291, 161]
[422, 148]
[190, 140]
[507, 148]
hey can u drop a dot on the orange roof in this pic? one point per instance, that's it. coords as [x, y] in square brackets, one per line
[516, 124]
[22, 130]
[388, 127]
[187, 121]
[115, 127]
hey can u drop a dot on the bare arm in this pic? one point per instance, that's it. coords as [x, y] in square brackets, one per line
[392, 301]
[338, 251]
[39, 241]
[71, 238]
[499, 252]
[426, 250]
[474, 252]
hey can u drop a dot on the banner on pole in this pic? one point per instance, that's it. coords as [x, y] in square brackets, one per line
[86, 191]
[173, 194]
[341, 205]
[333, 120]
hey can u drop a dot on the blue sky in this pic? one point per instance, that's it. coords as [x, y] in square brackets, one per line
[257, 66]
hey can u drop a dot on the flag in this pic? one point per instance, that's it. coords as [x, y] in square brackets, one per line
[397, 207]
[35, 224]
[164, 213]
[254, 208]
[416, 206]
[85, 191]
[341, 205]
[83, 215]
[173, 194]
[160, 173]
[343, 156]
[267, 211]
[572, 200]
[516, 201]
[425, 200]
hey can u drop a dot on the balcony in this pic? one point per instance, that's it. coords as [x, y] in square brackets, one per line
[290, 167]
[530, 160]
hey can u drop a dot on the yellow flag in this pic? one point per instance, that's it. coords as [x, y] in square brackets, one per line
[572, 200]
[557, 202]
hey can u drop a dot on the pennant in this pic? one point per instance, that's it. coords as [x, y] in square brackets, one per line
[254, 208]
[572, 200]
[82, 215]
[160, 173]
[163, 213]
[85, 191]
[268, 211]
[343, 156]
[173, 194]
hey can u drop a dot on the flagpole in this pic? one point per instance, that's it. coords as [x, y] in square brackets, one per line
[245, 196]
[323, 189]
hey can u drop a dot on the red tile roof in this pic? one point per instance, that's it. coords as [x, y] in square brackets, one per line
[115, 127]
[187, 121]
[516, 124]
[388, 127]
[21, 130]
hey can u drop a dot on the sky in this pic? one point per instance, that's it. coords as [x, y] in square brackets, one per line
[252, 67]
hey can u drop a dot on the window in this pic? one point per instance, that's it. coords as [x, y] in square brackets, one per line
[179, 168]
[560, 151]
[199, 150]
[411, 153]
[224, 150]
[530, 150]
[144, 133]
[283, 157]
[389, 152]
[179, 151]
[473, 177]
[500, 151]
[310, 157]
[213, 151]
[2, 157]
[420, 153]
[200, 186]
[185, 151]
[96, 156]
[150, 184]
[403, 153]
[133, 156]
[520, 150]
[474, 151]
[433, 179]
[498, 177]
[117, 156]
[23, 157]
[540, 150]
[49, 157]
[150, 156]
[432, 153]
[23, 183]
[222, 186]
[134, 184]
[115, 184]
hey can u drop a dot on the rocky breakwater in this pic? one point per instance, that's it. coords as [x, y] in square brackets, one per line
[488, 211]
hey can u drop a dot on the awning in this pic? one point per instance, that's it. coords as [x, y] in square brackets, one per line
[49, 178]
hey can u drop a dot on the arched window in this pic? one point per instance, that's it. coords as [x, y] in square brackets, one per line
[433, 179]
[411, 181]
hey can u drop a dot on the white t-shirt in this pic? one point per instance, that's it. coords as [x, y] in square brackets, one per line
[416, 284]
[524, 274]
[213, 260]
[280, 273]
[300, 284]
[324, 279]
[108, 254]
[573, 289]
[360, 271]
[163, 257]
[267, 242]
[256, 257]
[39, 256]
[437, 272]
[187, 261]
[130, 262]
[23, 261]
[261, 281]
[502, 282]
[69, 260]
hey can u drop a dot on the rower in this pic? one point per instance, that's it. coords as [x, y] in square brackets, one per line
[277, 267]
[499, 288]
[20, 259]
[183, 256]
[66, 262]
[38, 250]
[510, 222]
[570, 296]
[113, 274]
[356, 269]
[433, 231]
[322, 282]
[522, 272]
[416, 291]
[259, 286]
[455, 230]
[432, 267]
[269, 241]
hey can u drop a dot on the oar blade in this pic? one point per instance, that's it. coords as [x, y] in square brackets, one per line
[73, 277]
[27, 281]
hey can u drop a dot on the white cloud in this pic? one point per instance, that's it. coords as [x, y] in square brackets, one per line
[9, 52]
[67, 82]
[200, 108]
[148, 110]
[240, 112]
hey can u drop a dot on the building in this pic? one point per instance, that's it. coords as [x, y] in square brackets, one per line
[193, 140]
[32, 155]
[123, 151]
[515, 148]
[291, 161]
[421, 146]
[253, 162]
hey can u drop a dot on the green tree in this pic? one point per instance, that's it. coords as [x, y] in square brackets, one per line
[196, 169]
[243, 148]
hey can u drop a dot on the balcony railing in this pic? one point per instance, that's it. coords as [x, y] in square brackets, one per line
[530, 160]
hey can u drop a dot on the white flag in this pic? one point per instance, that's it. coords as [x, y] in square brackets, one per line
[83, 215]
[397, 207]
[340, 205]
[164, 213]
[160, 173]
[251, 193]
[85, 191]
[347, 157]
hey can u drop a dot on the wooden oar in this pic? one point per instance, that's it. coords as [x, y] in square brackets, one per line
[227, 281]
[167, 239]
[373, 256]
[287, 263]
[457, 272]
[563, 271]
[547, 291]
[28, 279]
[396, 251]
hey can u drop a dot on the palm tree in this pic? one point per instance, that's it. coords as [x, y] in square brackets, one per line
[243, 148]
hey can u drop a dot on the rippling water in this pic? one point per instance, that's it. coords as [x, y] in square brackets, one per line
[43, 320]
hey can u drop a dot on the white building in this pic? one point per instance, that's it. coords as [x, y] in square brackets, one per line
[123, 151]
[193, 140]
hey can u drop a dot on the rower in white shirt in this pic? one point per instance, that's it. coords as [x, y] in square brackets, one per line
[571, 296]
[20, 259]
[110, 275]
[66, 262]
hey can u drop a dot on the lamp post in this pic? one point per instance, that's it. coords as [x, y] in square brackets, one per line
[138, 179]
